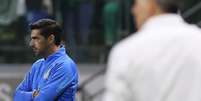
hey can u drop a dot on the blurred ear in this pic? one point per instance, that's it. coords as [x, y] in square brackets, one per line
[51, 39]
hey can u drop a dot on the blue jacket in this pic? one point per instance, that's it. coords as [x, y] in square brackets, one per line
[56, 78]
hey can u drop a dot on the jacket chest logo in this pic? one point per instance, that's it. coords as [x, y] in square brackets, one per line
[46, 75]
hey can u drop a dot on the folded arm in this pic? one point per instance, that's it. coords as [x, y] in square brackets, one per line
[59, 80]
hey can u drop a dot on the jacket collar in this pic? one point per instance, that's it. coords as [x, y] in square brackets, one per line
[61, 51]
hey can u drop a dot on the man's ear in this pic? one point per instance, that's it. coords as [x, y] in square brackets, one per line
[51, 38]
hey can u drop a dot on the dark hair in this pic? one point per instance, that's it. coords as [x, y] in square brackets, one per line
[170, 6]
[48, 27]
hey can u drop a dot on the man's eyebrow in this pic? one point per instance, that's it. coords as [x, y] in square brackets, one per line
[34, 37]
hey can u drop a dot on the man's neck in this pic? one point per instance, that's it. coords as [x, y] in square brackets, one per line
[52, 49]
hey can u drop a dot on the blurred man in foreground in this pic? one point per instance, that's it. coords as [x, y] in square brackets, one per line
[161, 62]
[53, 78]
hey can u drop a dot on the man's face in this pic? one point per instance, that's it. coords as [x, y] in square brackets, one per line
[142, 10]
[38, 43]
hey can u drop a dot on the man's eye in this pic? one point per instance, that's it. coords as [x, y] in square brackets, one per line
[35, 38]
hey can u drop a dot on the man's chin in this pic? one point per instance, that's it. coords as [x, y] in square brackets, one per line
[36, 54]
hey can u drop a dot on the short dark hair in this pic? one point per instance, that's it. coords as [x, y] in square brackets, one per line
[170, 6]
[48, 27]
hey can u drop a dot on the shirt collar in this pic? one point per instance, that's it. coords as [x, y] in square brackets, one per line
[163, 20]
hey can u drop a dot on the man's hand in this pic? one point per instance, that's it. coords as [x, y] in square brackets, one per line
[35, 93]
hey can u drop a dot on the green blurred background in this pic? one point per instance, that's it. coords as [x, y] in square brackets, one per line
[96, 25]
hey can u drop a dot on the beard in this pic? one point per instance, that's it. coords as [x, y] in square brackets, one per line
[39, 52]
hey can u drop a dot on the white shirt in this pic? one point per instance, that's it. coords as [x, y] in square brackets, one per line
[161, 62]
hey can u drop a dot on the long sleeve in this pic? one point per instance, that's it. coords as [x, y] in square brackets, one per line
[59, 79]
[23, 91]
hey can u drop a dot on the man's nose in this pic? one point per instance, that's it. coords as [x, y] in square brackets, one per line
[31, 43]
